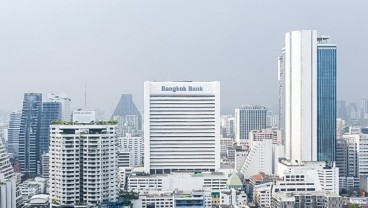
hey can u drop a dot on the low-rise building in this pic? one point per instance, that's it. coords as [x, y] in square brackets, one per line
[155, 199]
[225, 143]
[319, 175]
[39, 201]
[184, 181]
[306, 199]
[32, 187]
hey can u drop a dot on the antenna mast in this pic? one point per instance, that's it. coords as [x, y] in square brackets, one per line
[85, 94]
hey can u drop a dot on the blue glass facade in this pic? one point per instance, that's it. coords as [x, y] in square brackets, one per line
[326, 102]
[50, 111]
[29, 133]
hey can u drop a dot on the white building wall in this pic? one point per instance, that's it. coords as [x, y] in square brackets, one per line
[325, 177]
[96, 146]
[363, 153]
[65, 104]
[135, 145]
[258, 159]
[301, 96]
[178, 181]
[7, 192]
[181, 126]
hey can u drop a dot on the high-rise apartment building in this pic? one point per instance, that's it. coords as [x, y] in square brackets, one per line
[307, 75]
[83, 164]
[248, 118]
[30, 133]
[181, 128]
[9, 191]
[64, 100]
[51, 111]
[13, 132]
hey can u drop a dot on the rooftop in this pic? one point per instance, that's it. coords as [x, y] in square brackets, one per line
[60, 122]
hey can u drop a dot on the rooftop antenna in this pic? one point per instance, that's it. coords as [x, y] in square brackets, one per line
[85, 94]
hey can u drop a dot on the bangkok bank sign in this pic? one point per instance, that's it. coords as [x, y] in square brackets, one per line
[181, 89]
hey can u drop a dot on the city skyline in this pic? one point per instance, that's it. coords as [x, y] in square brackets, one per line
[183, 104]
[217, 42]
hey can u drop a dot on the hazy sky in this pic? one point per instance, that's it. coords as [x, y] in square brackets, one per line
[116, 45]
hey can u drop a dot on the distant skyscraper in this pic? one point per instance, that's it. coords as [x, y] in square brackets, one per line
[248, 118]
[128, 111]
[65, 104]
[364, 109]
[83, 165]
[227, 126]
[30, 133]
[13, 132]
[181, 128]
[353, 111]
[308, 96]
[341, 110]
[51, 111]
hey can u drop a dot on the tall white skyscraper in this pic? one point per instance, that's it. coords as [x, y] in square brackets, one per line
[83, 165]
[307, 75]
[248, 118]
[181, 126]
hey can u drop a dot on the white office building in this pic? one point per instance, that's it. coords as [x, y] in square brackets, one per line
[181, 126]
[65, 104]
[315, 175]
[125, 158]
[214, 181]
[306, 199]
[227, 126]
[8, 190]
[225, 143]
[85, 152]
[363, 158]
[83, 117]
[273, 134]
[307, 75]
[248, 118]
[258, 159]
[135, 146]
